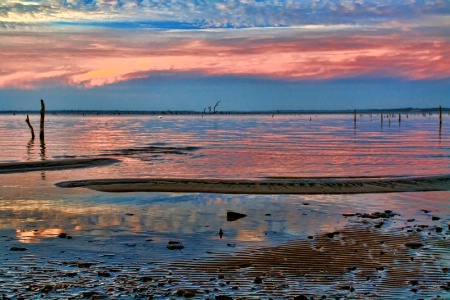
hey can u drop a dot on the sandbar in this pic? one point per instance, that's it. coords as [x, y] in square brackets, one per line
[51, 165]
[267, 186]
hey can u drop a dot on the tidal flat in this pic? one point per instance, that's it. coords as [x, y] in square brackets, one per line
[78, 243]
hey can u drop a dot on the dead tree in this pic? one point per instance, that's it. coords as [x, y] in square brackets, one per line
[29, 126]
[41, 127]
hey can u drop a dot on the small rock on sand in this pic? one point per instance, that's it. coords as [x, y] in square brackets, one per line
[18, 249]
[233, 216]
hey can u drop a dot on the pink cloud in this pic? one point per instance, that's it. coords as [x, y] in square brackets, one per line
[98, 58]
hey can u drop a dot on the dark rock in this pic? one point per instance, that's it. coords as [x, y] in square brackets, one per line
[414, 282]
[223, 297]
[348, 288]
[426, 210]
[18, 249]
[414, 245]
[146, 278]
[377, 215]
[174, 242]
[301, 297]
[62, 235]
[434, 218]
[47, 288]
[175, 247]
[439, 229]
[233, 216]
[84, 264]
[103, 274]
[332, 234]
[410, 220]
[349, 214]
[258, 280]
[70, 274]
[187, 293]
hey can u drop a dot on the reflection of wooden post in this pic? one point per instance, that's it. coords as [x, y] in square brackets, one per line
[399, 118]
[41, 127]
[381, 119]
[354, 116]
[31, 127]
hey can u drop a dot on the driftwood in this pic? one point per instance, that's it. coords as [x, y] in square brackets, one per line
[41, 127]
[29, 126]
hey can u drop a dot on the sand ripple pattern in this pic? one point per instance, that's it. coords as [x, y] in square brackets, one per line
[268, 186]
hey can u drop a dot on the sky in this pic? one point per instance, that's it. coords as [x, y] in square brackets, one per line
[250, 54]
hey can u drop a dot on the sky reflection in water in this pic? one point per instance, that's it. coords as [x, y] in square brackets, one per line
[225, 147]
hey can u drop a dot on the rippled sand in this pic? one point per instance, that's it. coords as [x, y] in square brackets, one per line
[268, 186]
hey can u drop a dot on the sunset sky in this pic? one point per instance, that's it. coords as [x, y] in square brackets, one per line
[251, 54]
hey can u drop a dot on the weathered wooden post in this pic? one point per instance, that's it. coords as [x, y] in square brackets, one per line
[29, 126]
[354, 116]
[381, 119]
[399, 118]
[440, 115]
[41, 127]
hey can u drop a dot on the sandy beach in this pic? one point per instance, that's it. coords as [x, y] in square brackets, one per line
[373, 255]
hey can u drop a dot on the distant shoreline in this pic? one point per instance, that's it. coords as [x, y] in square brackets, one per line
[407, 110]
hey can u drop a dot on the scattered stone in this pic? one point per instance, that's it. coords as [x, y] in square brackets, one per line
[47, 288]
[414, 282]
[378, 215]
[301, 297]
[349, 214]
[425, 210]
[70, 274]
[268, 214]
[414, 245]
[223, 297]
[103, 274]
[18, 249]
[233, 216]
[332, 234]
[149, 240]
[84, 264]
[434, 218]
[258, 280]
[175, 245]
[348, 288]
[129, 214]
[439, 229]
[187, 293]
[146, 278]
[62, 235]
[410, 220]
[174, 242]
[379, 225]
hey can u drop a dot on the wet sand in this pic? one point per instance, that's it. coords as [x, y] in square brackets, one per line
[268, 186]
[370, 258]
[374, 256]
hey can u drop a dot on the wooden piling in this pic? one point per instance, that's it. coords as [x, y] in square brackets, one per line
[41, 127]
[29, 126]
[354, 116]
[440, 115]
[399, 118]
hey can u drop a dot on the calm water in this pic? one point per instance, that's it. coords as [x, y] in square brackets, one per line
[237, 146]
[33, 211]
